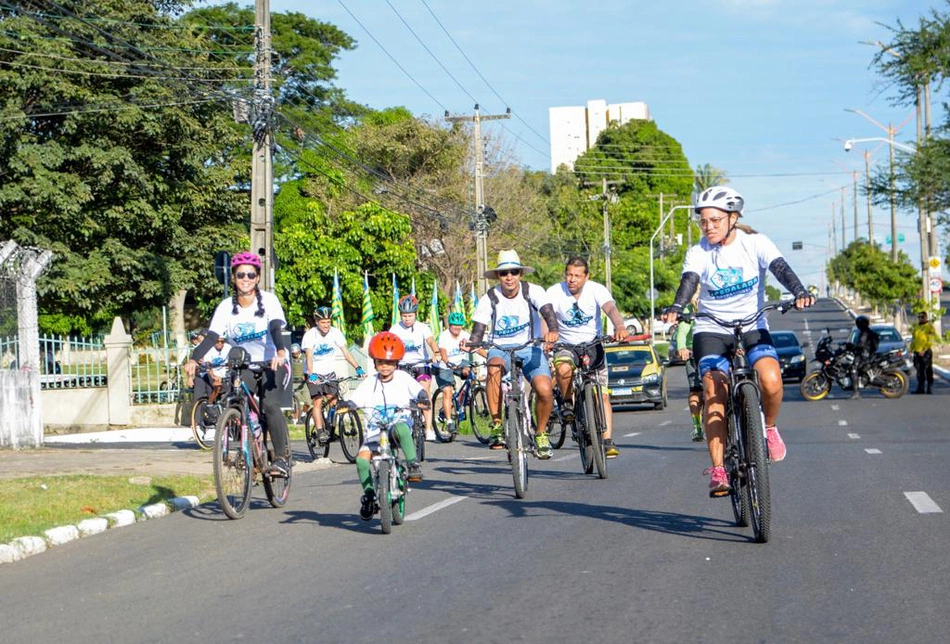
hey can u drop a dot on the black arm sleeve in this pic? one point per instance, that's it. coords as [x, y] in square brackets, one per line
[547, 314]
[684, 293]
[478, 332]
[275, 327]
[204, 346]
[787, 277]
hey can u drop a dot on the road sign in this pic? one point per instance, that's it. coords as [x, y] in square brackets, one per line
[934, 263]
[936, 284]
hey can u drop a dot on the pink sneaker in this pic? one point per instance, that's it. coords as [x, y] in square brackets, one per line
[776, 444]
[718, 481]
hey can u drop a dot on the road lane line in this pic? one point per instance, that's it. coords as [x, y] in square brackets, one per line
[435, 507]
[666, 422]
[842, 423]
[834, 408]
[873, 451]
[631, 435]
[854, 436]
[567, 458]
[478, 458]
[922, 502]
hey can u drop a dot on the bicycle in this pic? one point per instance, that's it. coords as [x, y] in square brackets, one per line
[418, 419]
[468, 403]
[519, 427]
[241, 449]
[347, 428]
[746, 457]
[205, 414]
[390, 473]
[590, 422]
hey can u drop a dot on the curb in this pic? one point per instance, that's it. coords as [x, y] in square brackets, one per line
[23, 547]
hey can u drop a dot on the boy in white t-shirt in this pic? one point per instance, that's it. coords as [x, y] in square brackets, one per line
[384, 398]
[420, 347]
[323, 345]
[450, 348]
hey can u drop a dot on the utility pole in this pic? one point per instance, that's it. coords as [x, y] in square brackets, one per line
[834, 228]
[482, 220]
[605, 198]
[262, 167]
[890, 137]
[844, 236]
[854, 178]
[867, 186]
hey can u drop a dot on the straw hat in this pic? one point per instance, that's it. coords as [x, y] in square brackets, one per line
[507, 260]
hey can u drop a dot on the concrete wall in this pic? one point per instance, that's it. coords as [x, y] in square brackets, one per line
[20, 423]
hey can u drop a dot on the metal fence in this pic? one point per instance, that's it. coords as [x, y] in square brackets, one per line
[65, 363]
[156, 374]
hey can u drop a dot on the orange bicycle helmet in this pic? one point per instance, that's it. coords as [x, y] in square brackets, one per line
[386, 346]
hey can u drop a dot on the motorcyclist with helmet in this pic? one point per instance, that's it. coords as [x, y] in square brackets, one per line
[864, 347]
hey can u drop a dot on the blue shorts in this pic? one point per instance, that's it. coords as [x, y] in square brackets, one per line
[712, 349]
[533, 361]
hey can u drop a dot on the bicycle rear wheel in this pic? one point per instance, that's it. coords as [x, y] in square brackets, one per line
[596, 424]
[232, 467]
[203, 434]
[516, 449]
[440, 423]
[757, 462]
[478, 414]
[419, 435]
[384, 497]
[350, 430]
[582, 437]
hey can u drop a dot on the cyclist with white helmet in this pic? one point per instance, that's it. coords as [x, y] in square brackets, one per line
[420, 348]
[323, 345]
[253, 320]
[729, 266]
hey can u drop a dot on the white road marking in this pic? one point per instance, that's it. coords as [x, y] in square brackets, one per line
[567, 458]
[854, 436]
[922, 502]
[834, 408]
[435, 507]
[666, 422]
[873, 451]
[478, 458]
[631, 435]
[842, 423]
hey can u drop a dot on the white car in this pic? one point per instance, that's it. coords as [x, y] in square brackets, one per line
[633, 326]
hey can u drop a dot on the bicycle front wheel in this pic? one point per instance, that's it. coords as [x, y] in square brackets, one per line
[203, 434]
[739, 496]
[350, 429]
[440, 422]
[277, 488]
[310, 432]
[596, 425]
[478, 414]
[400, 487]
[516, 449]
[757, 461]
[232, 466]
[384, 497]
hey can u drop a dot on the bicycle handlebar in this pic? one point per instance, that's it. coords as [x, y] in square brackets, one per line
[783, 307]
[488, 344]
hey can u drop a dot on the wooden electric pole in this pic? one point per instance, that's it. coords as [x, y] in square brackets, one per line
[262, 167]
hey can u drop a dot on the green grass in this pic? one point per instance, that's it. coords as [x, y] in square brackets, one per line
[29, 506]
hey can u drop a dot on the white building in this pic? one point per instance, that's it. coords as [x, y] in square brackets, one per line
[574, 130]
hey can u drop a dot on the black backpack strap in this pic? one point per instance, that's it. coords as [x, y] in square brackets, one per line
[532, 309]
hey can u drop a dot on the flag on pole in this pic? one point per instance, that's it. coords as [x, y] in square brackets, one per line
[458, 305]
[435, 322]
[413, 290]
[472, 303]
[395, 301]
[368, 316]
[336, 305]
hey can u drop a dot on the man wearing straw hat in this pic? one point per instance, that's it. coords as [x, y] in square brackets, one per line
[511, 313]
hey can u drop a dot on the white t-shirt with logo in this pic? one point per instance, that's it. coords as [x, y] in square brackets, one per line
[513, 317]
[325, 350]
[451, 342]
[379, 400]
[414, 337]
[217, 359]
[245, 329]
[731, 279]
[579, 319]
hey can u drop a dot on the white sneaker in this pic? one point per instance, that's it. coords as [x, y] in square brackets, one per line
[430, 435]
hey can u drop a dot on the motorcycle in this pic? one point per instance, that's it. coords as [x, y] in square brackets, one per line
[882, 371]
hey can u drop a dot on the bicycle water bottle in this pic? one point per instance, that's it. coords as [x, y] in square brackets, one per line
[255, 424]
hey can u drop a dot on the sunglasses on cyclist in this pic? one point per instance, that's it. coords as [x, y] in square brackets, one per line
[505, 273]
[242, 275]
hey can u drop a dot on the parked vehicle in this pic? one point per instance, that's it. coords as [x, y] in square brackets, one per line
[834, 366]
[636, 376]
[791, 358]
[890, 339]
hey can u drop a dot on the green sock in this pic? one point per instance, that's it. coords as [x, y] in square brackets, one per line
[366, 479]
[697, 423]
[404, 434]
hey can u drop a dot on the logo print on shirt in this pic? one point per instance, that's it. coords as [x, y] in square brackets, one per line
[322, 350]
[729, 283]
[508, 326]
[576, 317]
[246, 332]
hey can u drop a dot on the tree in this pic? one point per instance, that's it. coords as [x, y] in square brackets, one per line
[708, 176]
[867, 270]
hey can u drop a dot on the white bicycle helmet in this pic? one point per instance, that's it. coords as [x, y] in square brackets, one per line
[721, 197]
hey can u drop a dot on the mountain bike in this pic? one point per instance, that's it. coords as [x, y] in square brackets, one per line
[746, 456]
[418, 418]
[590, 423]
[241, 448]
[468, 404]
[347, 428]
[519, 428]
[205, 414]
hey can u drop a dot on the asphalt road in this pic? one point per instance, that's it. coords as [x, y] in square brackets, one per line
[644, 556]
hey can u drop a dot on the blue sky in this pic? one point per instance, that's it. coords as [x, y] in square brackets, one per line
[757, 88]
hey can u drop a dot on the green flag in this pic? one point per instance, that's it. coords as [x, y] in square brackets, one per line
[368, 316]
[336, 305]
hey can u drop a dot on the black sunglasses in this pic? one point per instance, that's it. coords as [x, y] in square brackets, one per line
[514, 271]
[241, 275]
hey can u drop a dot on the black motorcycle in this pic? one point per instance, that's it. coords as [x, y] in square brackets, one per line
[881, 372]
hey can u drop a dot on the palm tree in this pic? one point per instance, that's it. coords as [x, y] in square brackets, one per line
[708, 176]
